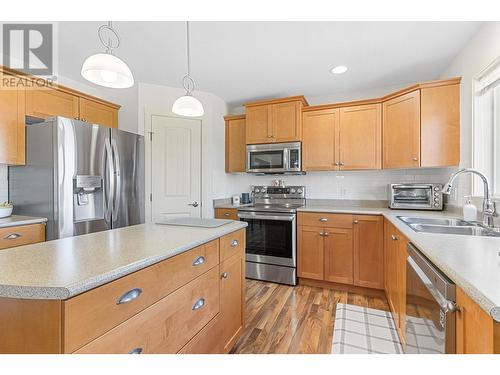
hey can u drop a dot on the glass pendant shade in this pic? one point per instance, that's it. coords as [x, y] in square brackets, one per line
[188, 106]
[105, 69]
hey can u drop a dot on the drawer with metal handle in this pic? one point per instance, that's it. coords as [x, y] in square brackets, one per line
[21, 235]
[320, 219]
[232, 244]
[166, 326]
[89, 315]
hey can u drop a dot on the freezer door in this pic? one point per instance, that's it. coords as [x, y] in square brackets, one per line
[79, 177]
[128, 196]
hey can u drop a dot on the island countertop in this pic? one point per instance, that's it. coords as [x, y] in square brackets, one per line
[472, 262]
[66, 267]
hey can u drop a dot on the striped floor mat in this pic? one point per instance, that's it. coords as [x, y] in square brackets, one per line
[361, 330]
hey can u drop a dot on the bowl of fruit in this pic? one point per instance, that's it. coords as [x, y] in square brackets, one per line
[6, 209]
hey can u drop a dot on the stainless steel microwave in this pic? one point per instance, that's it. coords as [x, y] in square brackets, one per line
[274, 158]
[415, 196]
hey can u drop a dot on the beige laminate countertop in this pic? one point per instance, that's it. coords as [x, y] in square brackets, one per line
[15, 220]
[63, 268]
[471, 262]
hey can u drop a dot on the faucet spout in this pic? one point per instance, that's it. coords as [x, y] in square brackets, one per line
[489, 209]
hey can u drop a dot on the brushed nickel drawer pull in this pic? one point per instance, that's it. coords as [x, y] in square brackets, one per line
[199, 304]
[234, 243]
[12, 236]
[199, 261]
[226, 213]
[135, 351]
[394, 238]
[129, 296]
[323, 219]
[224, 275]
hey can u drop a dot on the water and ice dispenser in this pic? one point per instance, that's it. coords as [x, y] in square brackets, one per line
[88, 198]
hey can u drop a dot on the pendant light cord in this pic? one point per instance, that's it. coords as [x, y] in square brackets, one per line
[187, 81]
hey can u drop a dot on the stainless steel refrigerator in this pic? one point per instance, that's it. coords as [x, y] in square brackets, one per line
[82, 177]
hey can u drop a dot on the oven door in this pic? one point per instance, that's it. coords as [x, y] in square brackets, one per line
[270, 238]
[412, 196]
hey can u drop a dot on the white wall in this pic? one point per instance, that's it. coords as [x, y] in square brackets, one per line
[154, 99]
[478, 53]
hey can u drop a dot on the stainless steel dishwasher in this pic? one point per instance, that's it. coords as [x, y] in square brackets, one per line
[430, 307]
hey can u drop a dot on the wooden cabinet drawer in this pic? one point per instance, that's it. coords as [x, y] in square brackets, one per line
[89, 315]
[207, 341]
[226, 213]
[166, 326]
[316, 219]
[21, 235]
[232, 244]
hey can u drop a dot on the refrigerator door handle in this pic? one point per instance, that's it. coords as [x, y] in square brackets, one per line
[109, 178]
[117, 178]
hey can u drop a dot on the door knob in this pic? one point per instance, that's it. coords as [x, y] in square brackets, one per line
[195, 204]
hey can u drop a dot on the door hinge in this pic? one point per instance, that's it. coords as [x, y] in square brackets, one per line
[150, 197]
[151, 136]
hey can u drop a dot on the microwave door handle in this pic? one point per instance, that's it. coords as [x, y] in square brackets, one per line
[286, 158]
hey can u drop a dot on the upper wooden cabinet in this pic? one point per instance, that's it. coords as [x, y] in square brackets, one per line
[319, 139]
[12, 135]
[98, 113]
[360, 137]
[421, 128]
[346, 138]
[402, 131]
[235, 144]
[276, 120]
[44, 103]
[440, 125]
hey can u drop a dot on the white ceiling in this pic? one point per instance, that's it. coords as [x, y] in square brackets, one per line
[244, 61]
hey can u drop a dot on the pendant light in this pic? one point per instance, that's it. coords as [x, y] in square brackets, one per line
[105, 69]
[188, 105]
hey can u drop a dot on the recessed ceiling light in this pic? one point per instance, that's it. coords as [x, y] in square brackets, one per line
[339, 69]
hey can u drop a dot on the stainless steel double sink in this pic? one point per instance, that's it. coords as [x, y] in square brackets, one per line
[449, 226]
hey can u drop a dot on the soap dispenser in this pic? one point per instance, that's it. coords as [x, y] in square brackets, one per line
[470, 211]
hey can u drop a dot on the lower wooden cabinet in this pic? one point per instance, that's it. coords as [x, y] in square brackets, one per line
[232, 291]
[368, 250]
[207, 341]
[475, 328]
[341, 248]
[395, 254]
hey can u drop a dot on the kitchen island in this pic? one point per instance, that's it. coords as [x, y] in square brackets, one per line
[142, 289]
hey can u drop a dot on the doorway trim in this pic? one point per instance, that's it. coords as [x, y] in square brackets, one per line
[148, 136]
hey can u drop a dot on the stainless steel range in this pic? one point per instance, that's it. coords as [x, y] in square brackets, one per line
[271, 249]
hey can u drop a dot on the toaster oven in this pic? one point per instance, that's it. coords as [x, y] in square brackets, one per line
[415, 196]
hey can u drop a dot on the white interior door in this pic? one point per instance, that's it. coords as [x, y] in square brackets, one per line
[175, 167]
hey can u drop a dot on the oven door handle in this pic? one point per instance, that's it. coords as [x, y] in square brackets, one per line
[412, 186]
[267, 217]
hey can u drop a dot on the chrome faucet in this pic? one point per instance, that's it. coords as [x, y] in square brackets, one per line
[489, 210]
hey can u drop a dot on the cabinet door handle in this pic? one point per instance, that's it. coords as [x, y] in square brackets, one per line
[341, 164]
[321, 234]
[199, 304]
[234, 243]
[199, 261]
[12, 236]
[323, 219]
[226, 213]
[224, 275]
[415, 158]
[355, 221]
[129, 296]
[135, 351]
[326, 234]
[394, 237]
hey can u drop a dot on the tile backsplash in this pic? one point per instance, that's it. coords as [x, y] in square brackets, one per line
[4, 184]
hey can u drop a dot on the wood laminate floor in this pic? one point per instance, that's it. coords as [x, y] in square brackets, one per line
[285, 319]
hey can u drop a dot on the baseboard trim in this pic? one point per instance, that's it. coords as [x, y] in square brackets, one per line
[342, 287]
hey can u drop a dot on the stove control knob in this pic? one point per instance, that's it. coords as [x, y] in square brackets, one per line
[292, 191]
[436, 200]
[263, 190]
[436, 204]
[436, 188]
[299, 191]
[257, 190]
[436, 194]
